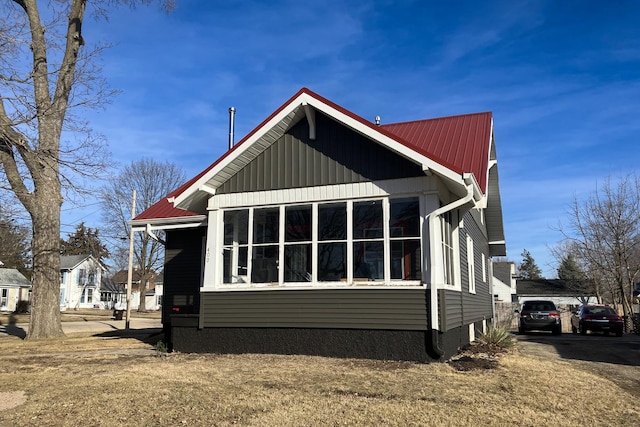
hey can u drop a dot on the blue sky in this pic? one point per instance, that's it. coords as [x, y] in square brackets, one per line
[561, 78]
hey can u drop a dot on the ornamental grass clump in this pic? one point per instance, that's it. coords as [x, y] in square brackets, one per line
[497, 336]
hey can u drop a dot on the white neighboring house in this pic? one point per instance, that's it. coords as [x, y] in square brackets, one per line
[14, 287]
[504, 282]
[80, 278]
[153, 295]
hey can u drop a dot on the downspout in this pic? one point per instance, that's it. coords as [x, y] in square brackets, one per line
[431, 218]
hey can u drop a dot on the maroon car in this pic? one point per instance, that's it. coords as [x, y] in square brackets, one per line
[596, 318]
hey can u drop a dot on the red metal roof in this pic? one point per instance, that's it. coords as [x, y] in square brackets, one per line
[461, 143]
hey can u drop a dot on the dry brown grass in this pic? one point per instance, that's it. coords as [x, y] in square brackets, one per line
[76, 316]
[76, 381]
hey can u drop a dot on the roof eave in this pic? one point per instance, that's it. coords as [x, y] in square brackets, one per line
[194, 197]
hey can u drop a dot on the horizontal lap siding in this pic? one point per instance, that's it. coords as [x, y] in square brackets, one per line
[399, 309]
[459, 308]
[477, 306]
[451, 310]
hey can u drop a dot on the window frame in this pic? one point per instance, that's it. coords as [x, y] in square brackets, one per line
[471, 265]
[384, 242]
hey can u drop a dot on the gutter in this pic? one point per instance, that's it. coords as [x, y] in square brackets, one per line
[434, 319]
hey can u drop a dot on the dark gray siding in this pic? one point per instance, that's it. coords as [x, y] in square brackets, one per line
[463, 308]
[182, 272]
[337, 156]
[477, 306]
[395, 308]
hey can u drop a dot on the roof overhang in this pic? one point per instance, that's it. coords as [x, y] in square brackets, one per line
[302, 105]
[169, 223]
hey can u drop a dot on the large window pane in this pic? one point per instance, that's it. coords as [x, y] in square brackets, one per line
[236, 227]
[265, 225]
[297, 224]
[235, 264]
[368, 261]
[332, 221]
[264, 268]
[404, 217]
[332, 262]
[297, 263]
[367, 220]
[406, 260]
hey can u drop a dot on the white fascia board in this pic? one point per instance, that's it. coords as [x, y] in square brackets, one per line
[426, 163]
[169, 223]
[208, 189]
[239, 151]
[470, 179]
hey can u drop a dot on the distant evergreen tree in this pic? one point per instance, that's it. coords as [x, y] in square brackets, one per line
[528, 269]
[85, 240]
[14, 246]
[569, 270]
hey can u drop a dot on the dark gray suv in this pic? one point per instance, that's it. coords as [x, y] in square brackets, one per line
[539, 315]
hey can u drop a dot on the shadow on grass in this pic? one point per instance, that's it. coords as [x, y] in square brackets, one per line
[13, 330]
[623, 350]
[146, 335]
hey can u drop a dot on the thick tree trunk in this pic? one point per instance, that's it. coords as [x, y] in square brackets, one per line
[45, 303]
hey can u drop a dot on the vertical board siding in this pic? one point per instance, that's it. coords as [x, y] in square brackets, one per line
[394, 309]
[337, 156]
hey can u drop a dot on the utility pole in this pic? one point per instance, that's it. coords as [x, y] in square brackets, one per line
[130, 272]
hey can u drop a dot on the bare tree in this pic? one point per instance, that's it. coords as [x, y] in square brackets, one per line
[46, 71]
[606, 230]
[152, 181]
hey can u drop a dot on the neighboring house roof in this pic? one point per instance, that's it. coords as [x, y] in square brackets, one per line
[450, 147]
[69, 262]
[122, 277]
[10, 277]
[110, 285]
[546, 287]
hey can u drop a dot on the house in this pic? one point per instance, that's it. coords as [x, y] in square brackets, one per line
[80, 278]
[322, 233]
[113, 295]
[504, 282]
[153, 294]
[14, 287]
[555, 290]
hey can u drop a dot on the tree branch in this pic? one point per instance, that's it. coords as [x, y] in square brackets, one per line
[10, 138]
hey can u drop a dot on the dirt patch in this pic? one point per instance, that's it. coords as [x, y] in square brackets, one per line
[11, 399]
[477, 356]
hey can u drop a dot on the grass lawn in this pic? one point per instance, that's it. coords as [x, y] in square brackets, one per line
[76, 315]
[107, 381]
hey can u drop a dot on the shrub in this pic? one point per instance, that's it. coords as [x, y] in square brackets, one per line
[161, 349]
[22, 307]
[498, 336]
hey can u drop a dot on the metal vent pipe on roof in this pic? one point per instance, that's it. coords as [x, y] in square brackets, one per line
[377, 120]
[232, 115]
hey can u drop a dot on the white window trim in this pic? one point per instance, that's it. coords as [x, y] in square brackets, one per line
[471, 269]
[214, 264]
